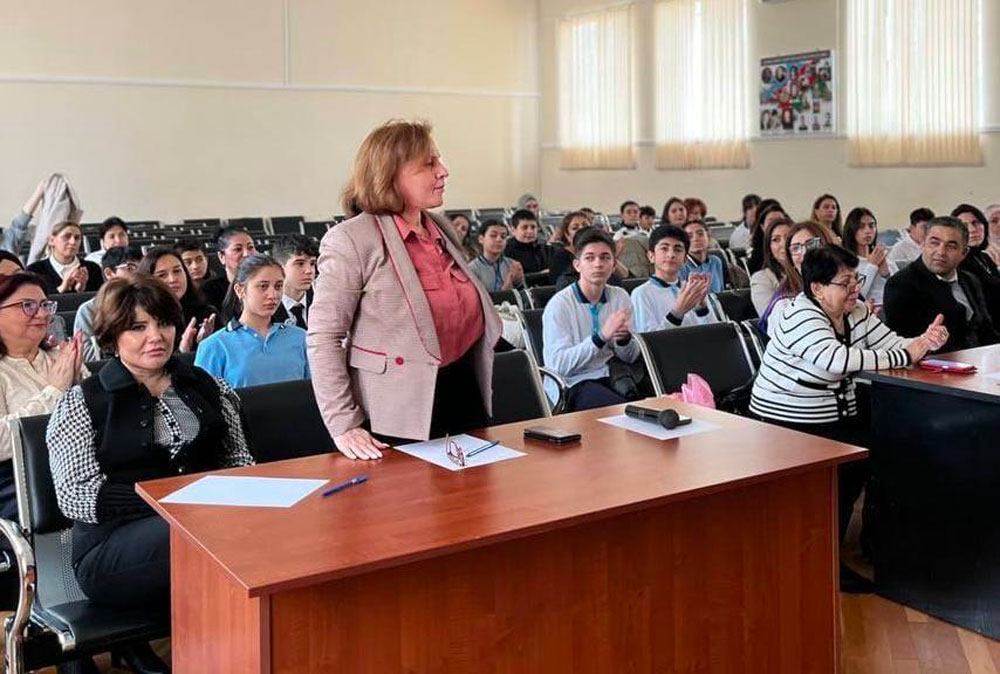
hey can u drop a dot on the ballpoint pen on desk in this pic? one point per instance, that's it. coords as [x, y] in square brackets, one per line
[477, 450]
[350, 483]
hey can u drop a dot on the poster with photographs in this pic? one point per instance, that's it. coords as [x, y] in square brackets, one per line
[796, 95]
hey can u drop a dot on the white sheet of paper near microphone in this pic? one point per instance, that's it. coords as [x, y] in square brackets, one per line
[654, 430]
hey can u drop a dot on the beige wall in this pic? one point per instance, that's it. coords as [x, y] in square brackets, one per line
[198, 108]
[795, 171]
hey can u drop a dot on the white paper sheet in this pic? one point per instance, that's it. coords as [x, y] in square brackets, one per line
[238, 490]
[433, 451]
[654, 430]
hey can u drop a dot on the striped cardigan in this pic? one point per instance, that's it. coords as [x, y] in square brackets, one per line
[805, 376]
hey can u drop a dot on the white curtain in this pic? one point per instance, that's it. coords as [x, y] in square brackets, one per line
[913, 82]
[701, 84]
[596, 108]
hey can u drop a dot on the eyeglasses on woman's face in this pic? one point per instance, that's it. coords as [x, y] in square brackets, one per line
[32, 307]
[810, 244]
[852, 281]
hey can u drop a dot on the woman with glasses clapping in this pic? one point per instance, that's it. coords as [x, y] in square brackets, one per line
[33, 375]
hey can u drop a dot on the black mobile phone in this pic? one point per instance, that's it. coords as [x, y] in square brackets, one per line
[554, 435]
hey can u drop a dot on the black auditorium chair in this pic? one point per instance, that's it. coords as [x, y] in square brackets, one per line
[510, 296]
[716, 352]
[539, 296]
[531, 326]
[283, 421]
[72, 301]
[252, 225]
[316, 229]
[287, 224]
[69, 319]
[631, 284]
[737, 304]
[55, 622]
[536, 278]
[517, 389]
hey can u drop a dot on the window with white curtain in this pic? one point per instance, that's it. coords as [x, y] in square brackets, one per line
[702, 116]
[913, 82]
[596, 118]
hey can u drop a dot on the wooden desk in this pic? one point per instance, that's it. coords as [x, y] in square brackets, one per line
[934, 493]
[713, 553]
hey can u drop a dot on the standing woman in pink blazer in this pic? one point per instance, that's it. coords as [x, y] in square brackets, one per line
[401, 334]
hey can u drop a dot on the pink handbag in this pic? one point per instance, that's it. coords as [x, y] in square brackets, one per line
[696, 392]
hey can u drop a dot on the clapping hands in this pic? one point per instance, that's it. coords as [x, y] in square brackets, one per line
[616, 326]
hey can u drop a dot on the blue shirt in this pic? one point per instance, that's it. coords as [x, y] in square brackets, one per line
[239, 355]
[712, 265]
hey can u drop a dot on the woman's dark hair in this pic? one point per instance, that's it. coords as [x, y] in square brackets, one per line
[837, 226]
[562, 229]
[821, 265]
[791, 284]
[769, 261]
[757, 245]
[9, 285]
[118, 299]
[231, 306]
[666, 208]
[749, 201]
[588, 235]
[10, 257]
[192, 303]
[978, 215]
[852, 225]
[224, 234]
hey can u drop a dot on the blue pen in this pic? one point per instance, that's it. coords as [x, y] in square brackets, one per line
[350, 483]
[488, 445]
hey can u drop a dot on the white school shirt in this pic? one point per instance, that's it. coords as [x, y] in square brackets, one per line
[653, 302]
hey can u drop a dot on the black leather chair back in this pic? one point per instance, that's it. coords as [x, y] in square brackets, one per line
[72, 301]
[631, 284]
[43, 515]
[737, 304]
[715, 351]
[283, 421]
[498, 297]
[536, 279]
[533, 333]
[517, 389]
[540, 296]
[287, 224]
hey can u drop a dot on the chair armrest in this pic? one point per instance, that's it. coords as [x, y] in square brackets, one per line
[25, 556]
[561, 386]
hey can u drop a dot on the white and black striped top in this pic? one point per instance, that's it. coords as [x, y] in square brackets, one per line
[805, 375]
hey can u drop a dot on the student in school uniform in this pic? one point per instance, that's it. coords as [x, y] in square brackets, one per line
[664, 301]
[589, 323]
[699, 261]
[252, 349]
[297, 256]
[495, 270]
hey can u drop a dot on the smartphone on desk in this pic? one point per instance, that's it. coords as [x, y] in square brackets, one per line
[937, 365]
[556, 436]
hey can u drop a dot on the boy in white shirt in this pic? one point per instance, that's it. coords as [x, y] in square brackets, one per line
[588, 323]
[665, 301]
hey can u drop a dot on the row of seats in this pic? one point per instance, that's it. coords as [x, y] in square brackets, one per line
[736, 304]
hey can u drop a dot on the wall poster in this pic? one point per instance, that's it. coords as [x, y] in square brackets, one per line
[796, 95]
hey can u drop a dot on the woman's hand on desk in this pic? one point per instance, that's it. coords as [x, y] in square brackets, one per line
[358, 443]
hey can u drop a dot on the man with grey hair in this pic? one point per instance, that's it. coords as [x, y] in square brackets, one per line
[933, 284]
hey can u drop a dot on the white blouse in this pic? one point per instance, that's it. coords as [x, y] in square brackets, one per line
[24, 392]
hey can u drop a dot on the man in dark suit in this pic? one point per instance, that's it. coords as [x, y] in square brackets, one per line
[297, 255]
[933, 284]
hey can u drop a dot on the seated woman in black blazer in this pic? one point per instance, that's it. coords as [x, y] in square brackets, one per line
[146, 415]
[63, 271]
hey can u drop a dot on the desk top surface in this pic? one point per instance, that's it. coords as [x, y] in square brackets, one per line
[978, 385]
[411, 510]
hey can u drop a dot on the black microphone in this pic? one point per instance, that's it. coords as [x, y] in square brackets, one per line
[666, 418]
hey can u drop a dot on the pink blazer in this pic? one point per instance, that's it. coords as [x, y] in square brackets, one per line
[373, 349]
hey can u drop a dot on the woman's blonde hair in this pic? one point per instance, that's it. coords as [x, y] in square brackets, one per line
[372, 186]
[58, 227]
